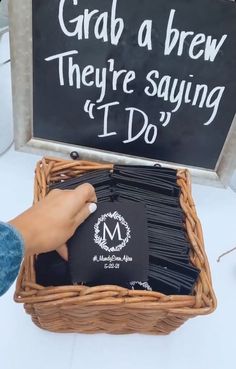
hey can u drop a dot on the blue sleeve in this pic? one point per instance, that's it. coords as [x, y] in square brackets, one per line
[11, 254]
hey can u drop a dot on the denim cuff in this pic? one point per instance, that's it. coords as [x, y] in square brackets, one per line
[11, 255]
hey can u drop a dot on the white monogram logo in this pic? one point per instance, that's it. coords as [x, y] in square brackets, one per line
[104, 233]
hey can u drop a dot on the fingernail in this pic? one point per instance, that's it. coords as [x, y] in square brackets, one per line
[92, 207]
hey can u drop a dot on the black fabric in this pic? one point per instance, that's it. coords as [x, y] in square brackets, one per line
[52, 270]
[111, 247]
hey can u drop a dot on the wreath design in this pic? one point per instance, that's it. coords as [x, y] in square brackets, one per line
[145, 285]
[103, 243]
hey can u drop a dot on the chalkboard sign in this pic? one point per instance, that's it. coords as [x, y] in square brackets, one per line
[153, 79]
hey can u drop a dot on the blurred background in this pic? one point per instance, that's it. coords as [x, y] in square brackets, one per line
[6, 120]
[3, 13]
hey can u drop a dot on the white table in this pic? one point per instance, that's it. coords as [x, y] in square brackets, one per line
[203, 342]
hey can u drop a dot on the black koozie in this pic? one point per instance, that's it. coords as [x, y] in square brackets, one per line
[111, 246]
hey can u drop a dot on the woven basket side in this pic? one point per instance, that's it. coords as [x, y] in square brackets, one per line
[68, 308]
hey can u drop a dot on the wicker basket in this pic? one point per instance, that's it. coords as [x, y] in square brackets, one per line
[113, 309]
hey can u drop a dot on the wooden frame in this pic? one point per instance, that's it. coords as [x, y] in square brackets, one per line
[20, 14]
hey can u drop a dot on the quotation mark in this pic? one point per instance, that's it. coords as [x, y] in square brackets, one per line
[88, 108]
[165, 118]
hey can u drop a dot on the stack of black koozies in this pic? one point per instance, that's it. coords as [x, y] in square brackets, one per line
[170, 270]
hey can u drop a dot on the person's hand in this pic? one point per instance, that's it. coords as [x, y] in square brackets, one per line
[48, 224]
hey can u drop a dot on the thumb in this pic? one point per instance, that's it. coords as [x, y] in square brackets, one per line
[63, 252]
[84, 213]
